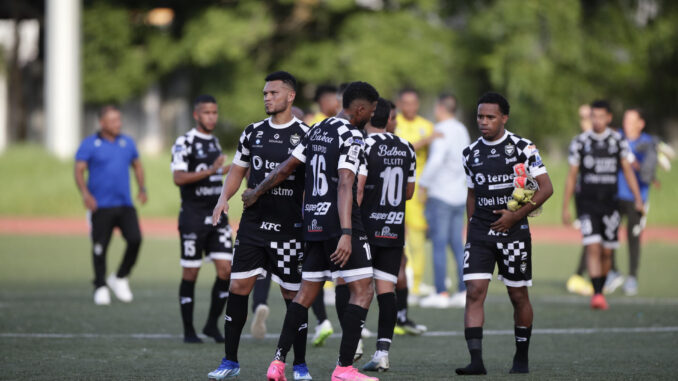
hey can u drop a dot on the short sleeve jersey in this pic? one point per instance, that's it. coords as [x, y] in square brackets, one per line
[599, 159]
[193, 152]
[262, 147]
[489, 172]
[329, 146]
[390, 164]
[108, 168]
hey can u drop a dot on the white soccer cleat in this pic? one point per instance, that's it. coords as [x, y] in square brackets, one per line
[358, 351]
[631, 286]
[101, 296]
[378, 363]
[259, 322]
[458, 299]
[441, 300]
[120, 288]
[366, 333]
[322, 332]
[613, 282]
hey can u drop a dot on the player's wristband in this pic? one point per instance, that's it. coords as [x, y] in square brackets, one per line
[346, 231]
[142, 189]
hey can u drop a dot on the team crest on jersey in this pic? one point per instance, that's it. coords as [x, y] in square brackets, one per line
[509, 149]
[295, 139]
[523, 267]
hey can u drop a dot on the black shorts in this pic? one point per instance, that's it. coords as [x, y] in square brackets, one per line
[514, 260]
[318, 267]
[600, 227]
[199, 237]
[386, 262]
[281, 258]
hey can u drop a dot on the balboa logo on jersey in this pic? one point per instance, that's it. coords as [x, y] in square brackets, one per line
[509, 149]
[386, 233]
[317, 135]
[270, 226]
[314, 227]
[295, 139]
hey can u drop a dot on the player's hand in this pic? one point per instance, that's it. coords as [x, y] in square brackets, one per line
[566, 217]
[89, 201]
[640, 208]
[249, 197]
[222, 207]
[142, 196]
[505, 222]
[218, 163]
[343, 251]
[421, 195]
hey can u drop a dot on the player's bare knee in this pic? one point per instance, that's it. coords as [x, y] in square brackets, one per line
[361, 292]
[288, 294]
[190, 273]
[242, 286]
[518, 296]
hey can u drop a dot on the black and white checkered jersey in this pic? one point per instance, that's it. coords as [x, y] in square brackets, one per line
[489, 172]
[329, 146]
[390, 164]
[193, 152]
[599, 159]
[277, 213]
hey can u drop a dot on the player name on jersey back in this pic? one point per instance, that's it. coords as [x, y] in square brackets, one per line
[329, 146]
[389, 164]
[489, 172]
[262, 147]
[194, 152]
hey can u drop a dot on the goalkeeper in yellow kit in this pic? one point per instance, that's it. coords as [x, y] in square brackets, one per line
[419, 132]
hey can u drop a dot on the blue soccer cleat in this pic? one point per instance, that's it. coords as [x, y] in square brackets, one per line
[301, 372]
[227, 369]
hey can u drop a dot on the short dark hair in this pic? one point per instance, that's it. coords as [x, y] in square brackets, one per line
[106, 108]
[406, 90]
[381, 113]
[640, 111]
[359, 90]
[324, 89]
[495, 98]
[283, 76]
[203, 98]
[601, 103]
[449, 101]
[393, 106]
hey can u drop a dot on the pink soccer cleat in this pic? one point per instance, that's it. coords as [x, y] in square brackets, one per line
[276, 371]
[349, 373]
[598, 302]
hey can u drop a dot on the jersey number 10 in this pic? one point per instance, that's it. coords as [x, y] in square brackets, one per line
[392, 186]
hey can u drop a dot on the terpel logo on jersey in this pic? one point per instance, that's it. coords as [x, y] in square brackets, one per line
[270, 226]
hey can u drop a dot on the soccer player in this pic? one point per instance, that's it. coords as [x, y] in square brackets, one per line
[644, 148]
[107, 156]
[327, 101]
[336, 244]
[387, 178]
[418, 131]
[496, 234]
[270, 234]
[403, 323]
[599, 155]
[197, 168]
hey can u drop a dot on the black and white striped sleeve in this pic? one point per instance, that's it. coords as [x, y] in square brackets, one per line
[242, 154]
[300, 150]
[351, 148]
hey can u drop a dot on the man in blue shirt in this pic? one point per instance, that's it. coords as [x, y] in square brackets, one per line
[644, 148]
[107, 156]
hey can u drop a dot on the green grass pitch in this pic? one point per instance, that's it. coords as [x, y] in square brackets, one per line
[45, 289]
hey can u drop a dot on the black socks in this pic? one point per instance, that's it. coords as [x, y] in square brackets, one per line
[218, 301]
[186, 296]
[387, 320]
[474, 341]
[299, 344]
[401, 304]
[296, 320]
[598, 284]
[351, 326]
[520, 359]
[341, 297]
[236, 315]
[318, 307]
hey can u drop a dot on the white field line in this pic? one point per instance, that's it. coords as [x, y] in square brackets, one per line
[541, 331]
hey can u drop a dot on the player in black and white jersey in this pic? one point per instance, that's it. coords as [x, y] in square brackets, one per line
[597, 156]
[336, 244]
[496, 234]
[387, 179]
[197, 168]
[269, 237]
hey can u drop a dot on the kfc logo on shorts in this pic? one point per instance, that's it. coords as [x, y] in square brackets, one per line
[270, 226]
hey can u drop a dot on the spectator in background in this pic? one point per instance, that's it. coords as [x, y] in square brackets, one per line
[327, 101]
[443, 184]
[644, 148]
[107, 156]
[418, 131]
